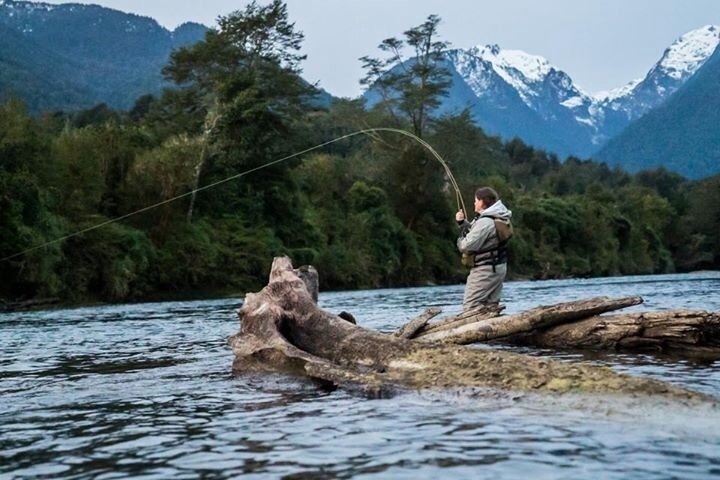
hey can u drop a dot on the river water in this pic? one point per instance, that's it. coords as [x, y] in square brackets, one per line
[146, 391]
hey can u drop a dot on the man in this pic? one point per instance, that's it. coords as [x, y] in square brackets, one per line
[484, 243]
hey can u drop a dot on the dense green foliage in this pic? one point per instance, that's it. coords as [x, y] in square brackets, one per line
[369, 211]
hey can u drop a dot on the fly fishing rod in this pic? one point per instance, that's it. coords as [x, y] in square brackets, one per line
[367, 131]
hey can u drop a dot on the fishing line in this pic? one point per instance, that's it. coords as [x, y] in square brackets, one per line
[367, 131]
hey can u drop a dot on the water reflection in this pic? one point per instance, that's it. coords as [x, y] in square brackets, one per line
[146, 390]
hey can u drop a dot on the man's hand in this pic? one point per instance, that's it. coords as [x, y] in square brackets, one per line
[460, 216]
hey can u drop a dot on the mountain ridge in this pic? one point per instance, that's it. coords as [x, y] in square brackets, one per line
[76, 56]
[681, 134]
[584, 121]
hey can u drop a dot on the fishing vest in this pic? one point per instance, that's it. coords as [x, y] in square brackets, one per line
[496, 254]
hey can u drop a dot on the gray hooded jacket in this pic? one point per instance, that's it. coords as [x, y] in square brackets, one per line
[480, 234]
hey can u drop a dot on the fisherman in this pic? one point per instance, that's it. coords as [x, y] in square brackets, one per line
[483, 243]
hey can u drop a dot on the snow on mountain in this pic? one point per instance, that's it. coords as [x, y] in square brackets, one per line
[609, 95]
[519, 69]
[677, 64]
[476, 72]
[583, 122]
[573, 102]
[530, 93]
[528, 74]
[28, 6]
[689, 52]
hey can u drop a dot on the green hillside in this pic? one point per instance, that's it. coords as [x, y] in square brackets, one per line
[73, 56]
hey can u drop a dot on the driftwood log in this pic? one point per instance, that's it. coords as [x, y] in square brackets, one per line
[539, 318]
[411, 329]
[283, 330]
[470, 316]
[579, 325]
[688, 333]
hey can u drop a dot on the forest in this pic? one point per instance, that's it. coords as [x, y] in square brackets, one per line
[370, 211]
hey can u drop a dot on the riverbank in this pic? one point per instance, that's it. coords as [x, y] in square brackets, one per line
[192, 295]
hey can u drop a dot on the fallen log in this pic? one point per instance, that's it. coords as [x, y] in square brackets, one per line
[538, 318]
[283, 330]
[410, 329]
[686, 332]
[470, 316]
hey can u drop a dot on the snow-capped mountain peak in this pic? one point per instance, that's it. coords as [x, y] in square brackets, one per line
[689, 52]
[679, 62]
[513, 93]
[523, 89]
[509, 63]
[610, 95]
[526, 73]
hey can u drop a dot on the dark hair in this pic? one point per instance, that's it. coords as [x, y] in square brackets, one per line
[487, 195]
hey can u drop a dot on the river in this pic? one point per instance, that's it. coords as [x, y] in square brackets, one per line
[146, 391]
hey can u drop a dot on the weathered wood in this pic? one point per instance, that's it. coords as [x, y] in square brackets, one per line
[537, 318]
[309, 275]
[411, 328]
[282, 329]
[469, 316]
[686, 332]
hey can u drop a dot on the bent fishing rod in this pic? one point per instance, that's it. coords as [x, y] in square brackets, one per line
[367, 131]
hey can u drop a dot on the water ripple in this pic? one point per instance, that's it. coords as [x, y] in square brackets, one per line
[146, 390]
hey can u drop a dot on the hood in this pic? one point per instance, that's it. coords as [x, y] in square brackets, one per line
[499, 210]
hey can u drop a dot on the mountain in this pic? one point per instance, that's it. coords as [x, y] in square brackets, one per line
[513, 93]
[678, 63]
[519, 94]
[73, 56]
[681, 134]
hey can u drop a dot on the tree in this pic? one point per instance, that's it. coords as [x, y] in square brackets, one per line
[704, 219]
[170, 169]
[411, 86]
[77, 173]
[410, 89]
[472, 155]
[246, 74]
[255, 38]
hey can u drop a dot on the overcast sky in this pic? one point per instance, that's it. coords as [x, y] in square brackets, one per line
[601, 44]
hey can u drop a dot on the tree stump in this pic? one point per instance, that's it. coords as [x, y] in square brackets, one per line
[283, 330]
